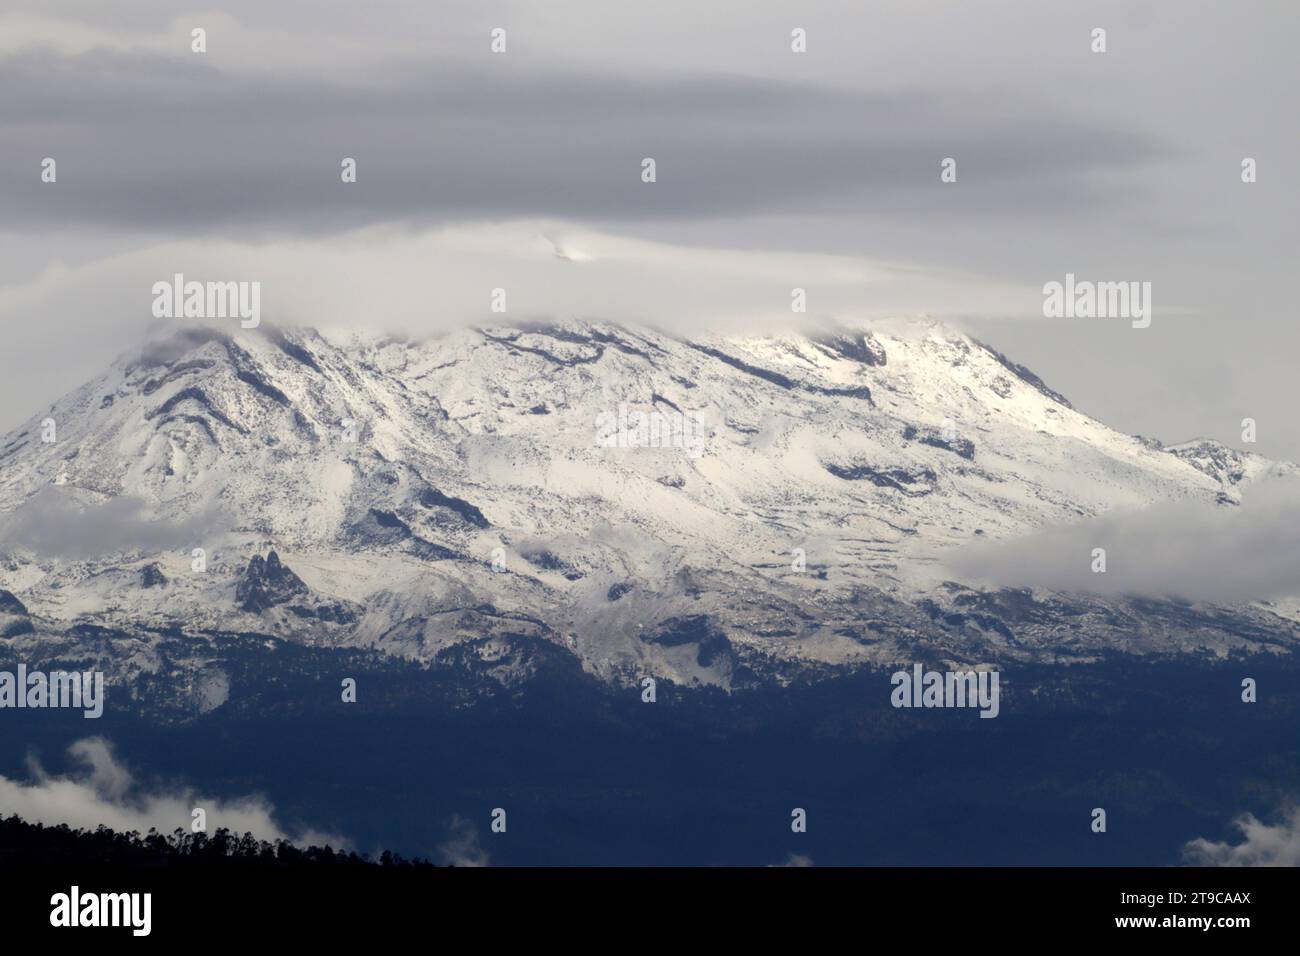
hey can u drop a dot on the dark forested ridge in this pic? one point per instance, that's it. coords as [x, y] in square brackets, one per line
[28, 844]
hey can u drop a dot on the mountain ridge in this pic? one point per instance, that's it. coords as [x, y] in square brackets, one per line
[455, 492]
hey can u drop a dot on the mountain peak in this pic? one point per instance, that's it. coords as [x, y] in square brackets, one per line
[794, 490]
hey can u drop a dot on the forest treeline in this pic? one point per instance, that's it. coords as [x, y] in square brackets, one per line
[24, 843]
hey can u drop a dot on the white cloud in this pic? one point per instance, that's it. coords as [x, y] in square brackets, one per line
[233, 45]
[105, 793]
[462, 847]
[1195, 551]
[1262, 845]
[392, 279]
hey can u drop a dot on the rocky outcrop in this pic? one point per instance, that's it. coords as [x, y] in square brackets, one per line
[151, 576]
[13, 616]
[270, 584]
[267, 583]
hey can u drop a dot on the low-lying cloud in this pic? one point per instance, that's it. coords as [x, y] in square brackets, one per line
[53, 524]
[462, 847]
[102, 791]
[1262, 844]
[1196, 551]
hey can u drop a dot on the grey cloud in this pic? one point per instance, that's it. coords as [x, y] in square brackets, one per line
[1193, 551]
[147, 142]
[53, 524]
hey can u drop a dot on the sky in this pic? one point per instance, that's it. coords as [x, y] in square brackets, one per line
[774, 169]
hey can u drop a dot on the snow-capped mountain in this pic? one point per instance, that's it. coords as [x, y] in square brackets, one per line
[707, 509]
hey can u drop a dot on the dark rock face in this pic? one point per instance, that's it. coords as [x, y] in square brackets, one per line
[12, 626]
[1026, 376]
[151, 576]
[13, 616]
[911, 483]
[861, 347]
[9, 604]
[433, 498]
[327, 613]
[267, 583]
[548, 561]
[959, 446]
[385, 529]
[777, 378]
[712, 644]
[293, 350]
[1225, 465]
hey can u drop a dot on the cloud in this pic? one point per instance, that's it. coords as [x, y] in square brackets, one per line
[1262, 845]
[475, 140]
[1115, 167]
[1191, 550]
[795, 860]
[52, 523]
[67, 321]
[462, 847]
[103, 792]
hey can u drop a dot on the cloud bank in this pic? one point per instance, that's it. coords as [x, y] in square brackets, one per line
[1262, 844]
[102, 791]
[51, 523]
[1190, 550]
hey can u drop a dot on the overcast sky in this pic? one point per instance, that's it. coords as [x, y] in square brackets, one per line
[775, 169]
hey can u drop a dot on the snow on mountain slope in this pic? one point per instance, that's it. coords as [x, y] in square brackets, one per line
[457, 489]
[1225, 465]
